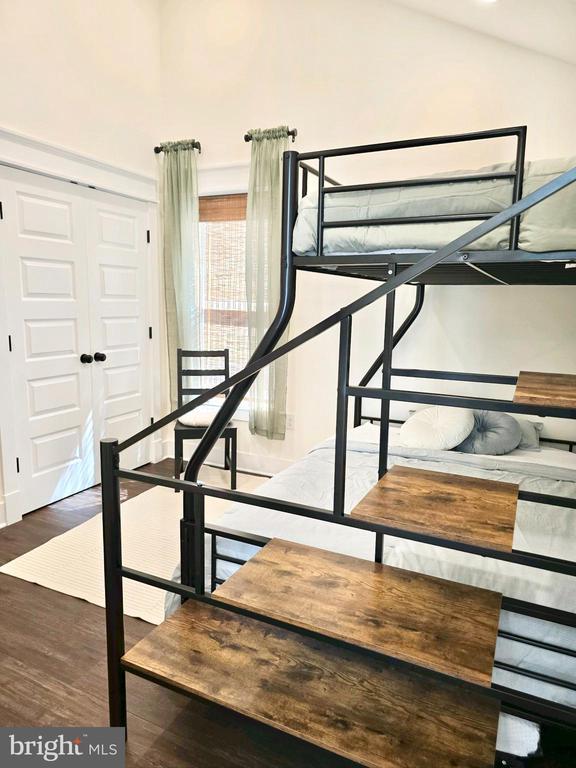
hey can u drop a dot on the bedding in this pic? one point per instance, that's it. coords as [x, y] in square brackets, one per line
[549, 226]
[539, 528]
[531, 431]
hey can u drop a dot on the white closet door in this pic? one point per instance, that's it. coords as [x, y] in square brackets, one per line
[42, 237]
[117, 271]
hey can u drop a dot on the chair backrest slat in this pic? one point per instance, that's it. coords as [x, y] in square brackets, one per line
[204, 372]
[222, 372]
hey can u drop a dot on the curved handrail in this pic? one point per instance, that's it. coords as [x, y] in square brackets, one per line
[408, 275]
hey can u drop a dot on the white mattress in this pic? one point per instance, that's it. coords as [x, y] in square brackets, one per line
[309, 481]
[550, 226]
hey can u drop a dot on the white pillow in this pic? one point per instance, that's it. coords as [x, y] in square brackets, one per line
[438, 429]
[202, 416]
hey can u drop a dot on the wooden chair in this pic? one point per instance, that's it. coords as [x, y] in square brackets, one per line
[199, 419]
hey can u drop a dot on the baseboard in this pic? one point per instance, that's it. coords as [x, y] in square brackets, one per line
[157, 449]
[266, 465]
[10, 508]
[251, 462]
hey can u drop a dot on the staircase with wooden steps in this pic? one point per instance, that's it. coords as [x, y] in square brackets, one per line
[362, 708]
[339, 685]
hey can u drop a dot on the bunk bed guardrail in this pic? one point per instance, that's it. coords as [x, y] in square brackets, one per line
[515, 175]
[193, 524]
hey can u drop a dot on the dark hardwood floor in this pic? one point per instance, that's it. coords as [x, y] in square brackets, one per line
[53, 669]
[53, 672]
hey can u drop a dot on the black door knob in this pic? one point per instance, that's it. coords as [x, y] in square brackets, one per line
[86, 358]
[99, 357]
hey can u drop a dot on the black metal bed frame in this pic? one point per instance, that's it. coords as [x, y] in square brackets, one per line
[193, 527]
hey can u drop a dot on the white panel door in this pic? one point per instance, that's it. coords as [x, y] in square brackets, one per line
[117, 253]
[42, 237]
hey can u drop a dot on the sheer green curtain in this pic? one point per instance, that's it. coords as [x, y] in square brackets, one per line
[180, 220]
[263, 244]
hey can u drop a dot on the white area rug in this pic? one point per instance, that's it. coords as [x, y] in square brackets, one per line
[73, 562]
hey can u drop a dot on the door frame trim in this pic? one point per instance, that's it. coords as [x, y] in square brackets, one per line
[27, 153]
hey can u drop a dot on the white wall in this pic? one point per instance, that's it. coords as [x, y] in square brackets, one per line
[346, 73]
[84, 75]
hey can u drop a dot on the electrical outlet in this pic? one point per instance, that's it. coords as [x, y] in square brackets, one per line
[290, 421]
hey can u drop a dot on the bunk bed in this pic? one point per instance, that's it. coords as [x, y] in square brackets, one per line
[274, 637]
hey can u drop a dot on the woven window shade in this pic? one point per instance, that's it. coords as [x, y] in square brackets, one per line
[223, 316]
[223, 208]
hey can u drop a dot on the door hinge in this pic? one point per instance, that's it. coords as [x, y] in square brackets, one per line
[1, 210]
[9, 343]
[147, 235]
[151, 419]
[17, 465]
[149, 331]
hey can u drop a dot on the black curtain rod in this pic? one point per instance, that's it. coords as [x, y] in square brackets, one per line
[292, 132]
[193, 145]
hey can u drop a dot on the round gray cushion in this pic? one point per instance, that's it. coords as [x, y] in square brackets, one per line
[494, 434]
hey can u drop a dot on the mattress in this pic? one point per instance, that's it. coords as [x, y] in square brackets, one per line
[549, 226]
[549, 530]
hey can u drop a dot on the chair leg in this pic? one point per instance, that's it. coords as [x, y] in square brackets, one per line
[233, 460]
[226, 453]
[178, 457]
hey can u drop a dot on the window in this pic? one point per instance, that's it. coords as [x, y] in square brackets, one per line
[223, 323]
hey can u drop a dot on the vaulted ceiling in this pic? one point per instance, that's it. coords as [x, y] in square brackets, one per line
[547, 27]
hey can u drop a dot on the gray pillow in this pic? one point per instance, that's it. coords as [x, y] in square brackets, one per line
[530, 434]
[494, 434]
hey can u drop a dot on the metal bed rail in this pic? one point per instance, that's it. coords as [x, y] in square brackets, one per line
[337, 517]
[516, 177]
[422, 373]
[456, 400]
[309, 169]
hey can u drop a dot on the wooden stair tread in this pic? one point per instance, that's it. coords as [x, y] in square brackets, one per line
[361, 708]
[546, 389]
[463, 509]
[437, 624]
